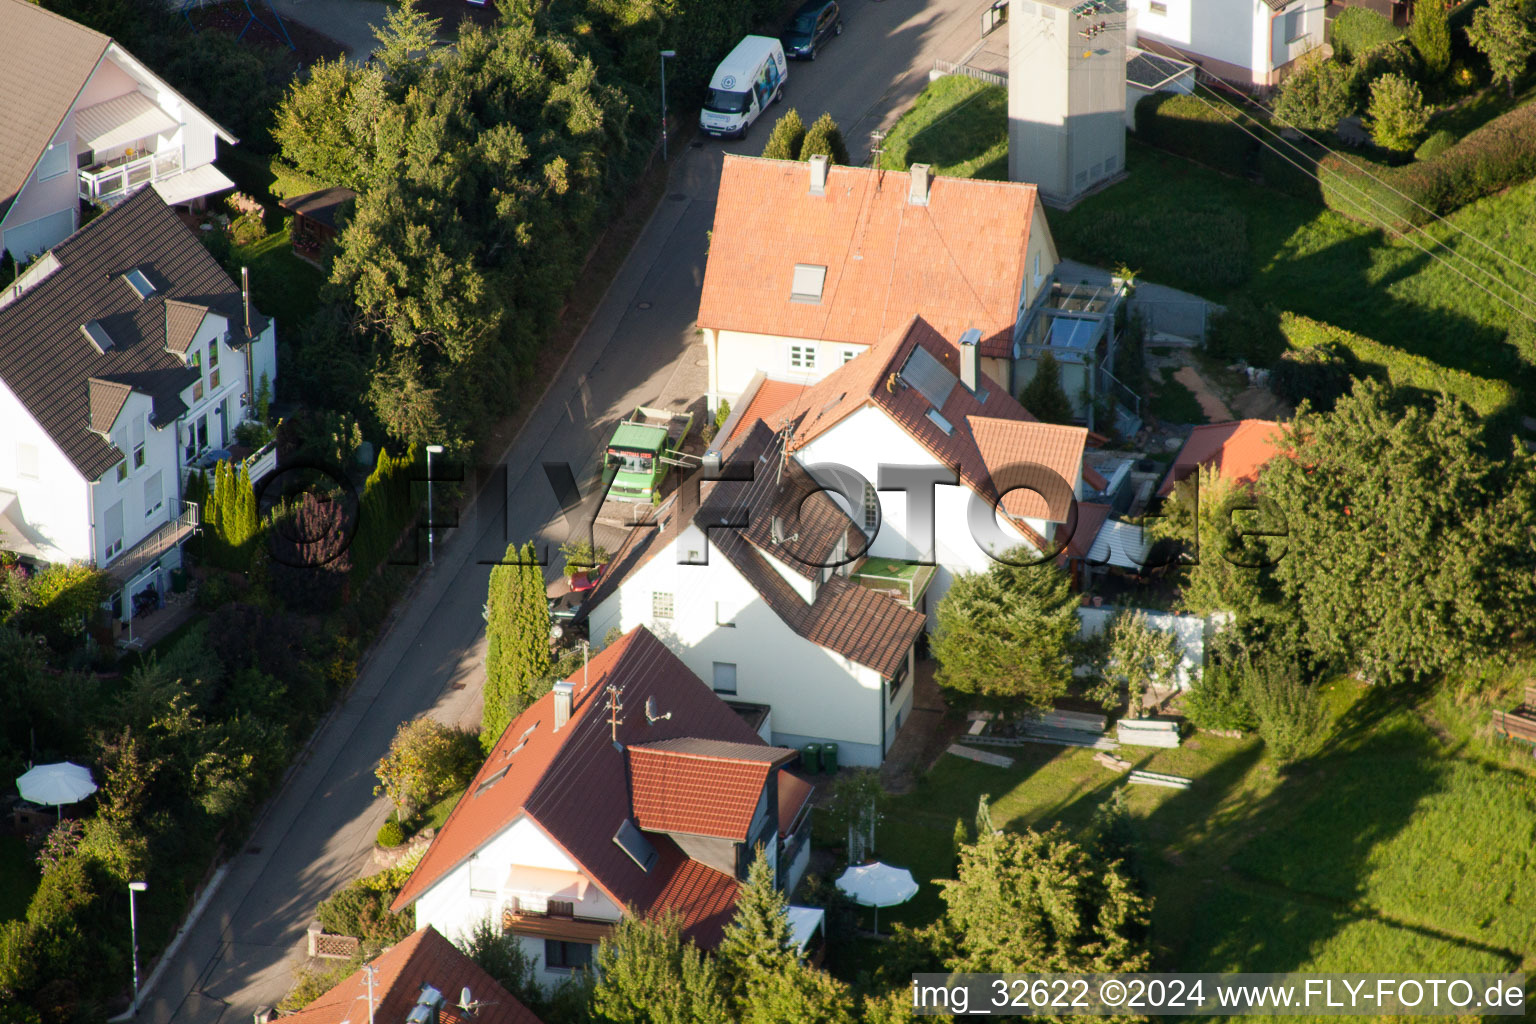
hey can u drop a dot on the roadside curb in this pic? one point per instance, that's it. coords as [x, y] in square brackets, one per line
[175, 946]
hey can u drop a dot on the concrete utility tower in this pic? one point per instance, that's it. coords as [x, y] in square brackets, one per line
[1066, 94]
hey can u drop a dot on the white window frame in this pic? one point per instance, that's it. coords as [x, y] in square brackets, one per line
[663, 605]
[1158, 8]
[871, 508]
[803, 357]
[849, 355]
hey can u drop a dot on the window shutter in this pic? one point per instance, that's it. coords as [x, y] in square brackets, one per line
[152, 494]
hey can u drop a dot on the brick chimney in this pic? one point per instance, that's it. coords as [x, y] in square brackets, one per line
[970, 358]
[819, 166]
[917, 191]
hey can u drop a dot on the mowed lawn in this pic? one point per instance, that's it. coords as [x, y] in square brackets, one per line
[1395, 850]
[1182, 224]
[958, 125]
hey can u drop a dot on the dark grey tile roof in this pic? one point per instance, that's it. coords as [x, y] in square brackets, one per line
[320, 206]
[49, 363]
[45, 62]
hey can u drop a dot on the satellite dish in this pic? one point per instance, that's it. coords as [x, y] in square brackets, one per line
[650, 712]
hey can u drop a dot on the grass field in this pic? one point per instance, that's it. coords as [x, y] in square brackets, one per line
[1174, 222]
[1407, 845]
[282, 285]
[18, 877]
[958, 125]
[1173, 402]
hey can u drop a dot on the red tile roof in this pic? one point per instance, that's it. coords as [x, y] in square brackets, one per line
[987, 436]
[700, 788]
[423, 958]
[959, 261]
[1090, 520]
[1236, 450]
[574, 784]
[793, 794]
[771, 396]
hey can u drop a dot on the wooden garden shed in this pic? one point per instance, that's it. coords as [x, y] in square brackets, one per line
[317, 216]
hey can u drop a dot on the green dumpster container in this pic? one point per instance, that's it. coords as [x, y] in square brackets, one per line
[829, 758]
[810, 758]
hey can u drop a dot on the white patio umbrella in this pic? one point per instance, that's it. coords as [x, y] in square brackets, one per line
[877, 885]
[56, 784]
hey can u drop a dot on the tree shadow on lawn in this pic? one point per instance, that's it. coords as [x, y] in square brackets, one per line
[1294, 877]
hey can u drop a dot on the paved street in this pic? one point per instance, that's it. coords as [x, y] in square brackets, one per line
[318, 833]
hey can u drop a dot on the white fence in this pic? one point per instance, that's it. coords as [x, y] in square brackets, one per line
[1190, 629]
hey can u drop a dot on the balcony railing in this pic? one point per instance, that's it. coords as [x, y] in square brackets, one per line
[116, 178]
[156, 544]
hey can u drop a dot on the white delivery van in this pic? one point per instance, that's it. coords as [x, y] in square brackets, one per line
[746, 82]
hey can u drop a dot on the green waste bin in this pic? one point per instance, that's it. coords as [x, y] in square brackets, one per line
[810, 758]
[829, 758]
[179, 580]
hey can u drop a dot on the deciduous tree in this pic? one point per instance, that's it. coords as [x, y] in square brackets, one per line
[1430, 33]
[1503, 31]
[1314, 97]
[649, 974]
[1397, 117]
[426, 760]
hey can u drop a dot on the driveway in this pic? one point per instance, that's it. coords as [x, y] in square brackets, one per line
[640, 345]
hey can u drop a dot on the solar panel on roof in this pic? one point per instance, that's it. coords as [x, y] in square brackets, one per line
[633, 842]
[929, 376]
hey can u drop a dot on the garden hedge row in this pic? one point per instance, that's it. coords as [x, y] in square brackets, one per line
[1499, 154]
[1402, 369]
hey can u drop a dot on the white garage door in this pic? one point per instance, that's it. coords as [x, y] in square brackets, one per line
[34, 236]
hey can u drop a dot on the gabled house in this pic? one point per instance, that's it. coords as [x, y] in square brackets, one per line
[919, 399]
[1236, 450]
[423, 978]
[1247, 42]
[85, 122]
[767, 611]
[629, 788]
[125, 352]
[811, 263]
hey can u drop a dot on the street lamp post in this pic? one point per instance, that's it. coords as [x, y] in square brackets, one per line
[133, 928]
[432, 449]
[665, 56]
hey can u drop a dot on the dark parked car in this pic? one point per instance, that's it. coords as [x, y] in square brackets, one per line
[813, 24]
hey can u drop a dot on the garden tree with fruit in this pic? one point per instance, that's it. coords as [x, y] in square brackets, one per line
[649, 974]
[1130, 658]
[1397, 115]
[787, 137]
[1003, 635]
[1028, 902]
[1314, 97]
[1043, 396]
[1430, 33]
[1408, 548]
[426, 760]
[756, 943]
[1504, 31]
[517, 658]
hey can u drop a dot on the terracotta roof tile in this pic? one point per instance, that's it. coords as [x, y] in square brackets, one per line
[423, 958]
[986, 436]
[1236, 450]
[959, 261]
[771, 396]
[574, 783]
[698, 787]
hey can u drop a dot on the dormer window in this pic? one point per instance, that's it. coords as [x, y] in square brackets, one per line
[808, 281]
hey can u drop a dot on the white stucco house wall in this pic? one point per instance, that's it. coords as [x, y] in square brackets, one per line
[584, 812]
[811, 264]
[89, 123]
[1248, 42]
[123, 357]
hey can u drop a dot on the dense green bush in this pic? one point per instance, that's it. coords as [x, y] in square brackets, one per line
[390, 834]
[1290, 714]
[1221, 259]
[1397, 116]
[1401, 369]
[1436, 143]
[1359, 29]
[1320, 375]
[1200, 130]
[1384, 59]
[1218, 699]
[362, 908]
[1314, 97]
[1499, 154]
